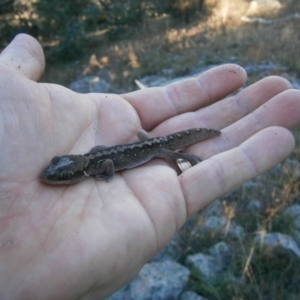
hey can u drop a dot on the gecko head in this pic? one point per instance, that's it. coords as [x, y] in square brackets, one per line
[67, 169]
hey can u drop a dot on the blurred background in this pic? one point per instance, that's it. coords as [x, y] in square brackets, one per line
[123, 40]
[247, 244]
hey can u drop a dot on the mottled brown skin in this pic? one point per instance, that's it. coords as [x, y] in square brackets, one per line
[102, 161]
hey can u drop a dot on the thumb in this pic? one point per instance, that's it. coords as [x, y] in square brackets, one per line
[24, 55]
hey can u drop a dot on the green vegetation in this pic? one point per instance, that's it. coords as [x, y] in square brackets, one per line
[253, 272]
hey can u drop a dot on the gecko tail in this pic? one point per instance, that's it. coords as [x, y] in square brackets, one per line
[183, 139]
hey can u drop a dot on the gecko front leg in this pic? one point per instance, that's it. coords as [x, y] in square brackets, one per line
[142, 136]
[102, 170]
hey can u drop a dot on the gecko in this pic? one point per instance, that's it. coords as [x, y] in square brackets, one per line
[101, 161]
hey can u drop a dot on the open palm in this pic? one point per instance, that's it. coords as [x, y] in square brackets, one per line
[86, 240]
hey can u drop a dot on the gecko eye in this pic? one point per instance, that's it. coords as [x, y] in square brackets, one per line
[67, 176]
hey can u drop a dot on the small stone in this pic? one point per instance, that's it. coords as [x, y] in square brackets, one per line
[279, 240]
[191, 296]
[159, 280]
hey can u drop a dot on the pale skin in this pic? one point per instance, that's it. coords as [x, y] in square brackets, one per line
[87, 240]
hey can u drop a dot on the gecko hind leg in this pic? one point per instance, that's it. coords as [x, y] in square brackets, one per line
[173, 155]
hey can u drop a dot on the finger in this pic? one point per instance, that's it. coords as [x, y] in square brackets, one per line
[238, 106]
[155, 105]
[24, 55]
[282, 110]
[224, 172]
[229, 110]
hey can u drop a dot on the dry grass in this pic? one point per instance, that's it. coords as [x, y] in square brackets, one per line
[164, 43]
[253, 273]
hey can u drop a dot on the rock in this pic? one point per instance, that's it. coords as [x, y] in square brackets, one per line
[214, 209]
[170, 252]
[206, 265]
[263, 6]
[254, 205]
[297, 236]
[221, 253]
[167, 76]
[292, 78]
[191, 296]
[291, 167]
[263, 67]
[159, 280]
[211, 265]
[278, 240]
[288, 167]
[220, 224]
[294, 212]
[90, 84]
[214, 223]
[249, 186]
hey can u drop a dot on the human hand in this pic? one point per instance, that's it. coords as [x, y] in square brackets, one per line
[86, 240]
